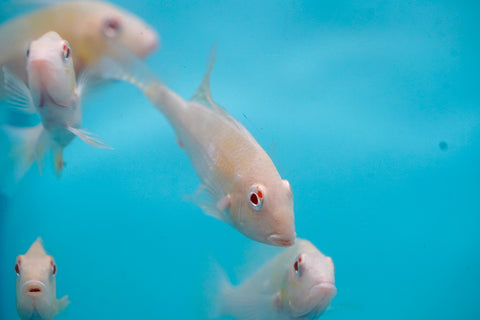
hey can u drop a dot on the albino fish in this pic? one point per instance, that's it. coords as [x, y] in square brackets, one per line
[52, 92]
[240, 184]
[36, 285]
[297, 284]
[91, 27]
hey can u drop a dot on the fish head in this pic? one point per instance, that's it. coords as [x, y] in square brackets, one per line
[113, 25]
[36, 286]
[309, 283]
[264, 212]
[50, 70]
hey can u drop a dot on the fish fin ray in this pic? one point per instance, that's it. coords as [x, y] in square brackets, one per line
[204, 198]
[240, 302]
[89, 138]
[58, 162]
[18, 95]
[18, 145]
[62, 304]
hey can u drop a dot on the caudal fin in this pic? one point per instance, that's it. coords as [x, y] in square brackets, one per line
[18, 145]
[221, 293]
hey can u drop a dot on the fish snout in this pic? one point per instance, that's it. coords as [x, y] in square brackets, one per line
[34, 288]
[150, 41]
[326, 289]
[282, 240]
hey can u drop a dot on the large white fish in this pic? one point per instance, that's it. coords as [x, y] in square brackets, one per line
[89, 26]
[36, 285]
[240, 184]
[52, 92]
[297, 284]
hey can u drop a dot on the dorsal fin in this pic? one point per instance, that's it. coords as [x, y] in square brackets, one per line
[203, 94]
[37, 247]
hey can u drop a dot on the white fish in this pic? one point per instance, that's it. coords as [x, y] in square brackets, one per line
[36, 285]
[52, 92]
[240, 184]
[299, 283]
[89, 26]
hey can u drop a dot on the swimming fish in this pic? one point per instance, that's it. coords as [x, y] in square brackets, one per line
[53, 93]
[36, 285]
[298, 284]
[89, 26]
[240, 184]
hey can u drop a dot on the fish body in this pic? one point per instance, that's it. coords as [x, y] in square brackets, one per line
[299, 283]
[240, 183]
[36, 285]
[93, 29]
[53, 93]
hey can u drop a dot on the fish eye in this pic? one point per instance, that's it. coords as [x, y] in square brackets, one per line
[17, 269]
[111, 27]
[66, 51]
[297, 266]
[255, 197]
[54, 268]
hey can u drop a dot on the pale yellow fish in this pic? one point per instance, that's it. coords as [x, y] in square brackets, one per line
[93, 29]
[36, 285]
[240, 183]
[53, 93]
[299, 284]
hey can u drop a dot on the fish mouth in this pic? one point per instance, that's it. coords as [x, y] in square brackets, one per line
[282, 240]
[325, 289]
[34, 288]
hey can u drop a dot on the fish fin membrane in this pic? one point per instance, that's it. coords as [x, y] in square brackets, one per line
[18, 145]
[239, 303]
[62, 304]
[18, 96]
[89, 138]
[204, 198]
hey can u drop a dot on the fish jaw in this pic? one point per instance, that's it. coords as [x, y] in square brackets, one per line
[279, 240]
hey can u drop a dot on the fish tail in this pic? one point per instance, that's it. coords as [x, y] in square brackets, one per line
[224, 292]
[18, 145]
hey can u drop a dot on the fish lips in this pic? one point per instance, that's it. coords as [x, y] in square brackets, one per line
[282, 240]
[34, 288]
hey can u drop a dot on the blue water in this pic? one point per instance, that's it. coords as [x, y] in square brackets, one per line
[370, 110]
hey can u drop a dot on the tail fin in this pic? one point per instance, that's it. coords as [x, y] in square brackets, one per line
[19, 145]
[224, 294]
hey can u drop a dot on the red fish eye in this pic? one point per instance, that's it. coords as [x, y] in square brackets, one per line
[296, 266]
[54, 268]
[17, 269]
[254, 199]
[66, 51]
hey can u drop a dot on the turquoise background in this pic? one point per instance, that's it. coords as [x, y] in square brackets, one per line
[351, 99]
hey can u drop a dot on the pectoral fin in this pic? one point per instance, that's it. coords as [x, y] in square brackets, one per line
[89, 138]
[17, 93]
[58, 162]
[204, 198]
[62, 304]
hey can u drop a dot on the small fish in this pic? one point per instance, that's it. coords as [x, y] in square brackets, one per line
[53, 93]
[89, 26]
[36, 285]
[240, 184]
[299, 283]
